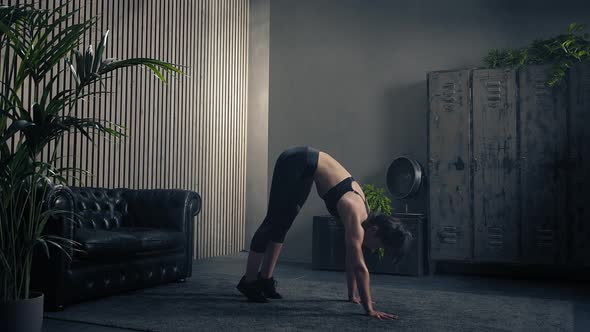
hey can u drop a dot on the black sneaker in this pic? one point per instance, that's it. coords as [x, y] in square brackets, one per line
[268, 287]
[251, 290]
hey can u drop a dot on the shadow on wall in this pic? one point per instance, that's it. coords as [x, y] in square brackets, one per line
[407, 116]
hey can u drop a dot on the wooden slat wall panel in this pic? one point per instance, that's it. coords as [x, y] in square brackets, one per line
[189, 134]
[495, 173]
[450, 199]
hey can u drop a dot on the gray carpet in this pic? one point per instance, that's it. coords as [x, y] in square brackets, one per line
[211, 302]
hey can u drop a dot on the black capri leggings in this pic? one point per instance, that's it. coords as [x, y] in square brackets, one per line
[291, 183]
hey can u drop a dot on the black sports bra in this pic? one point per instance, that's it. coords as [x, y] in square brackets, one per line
[335, 193]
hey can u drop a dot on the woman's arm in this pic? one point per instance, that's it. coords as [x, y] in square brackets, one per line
[357, 265]
[354, 236]
[351, 282]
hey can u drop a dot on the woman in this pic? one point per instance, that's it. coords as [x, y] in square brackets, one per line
[295, 171]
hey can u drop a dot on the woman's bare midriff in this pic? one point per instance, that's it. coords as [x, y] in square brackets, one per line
[329, 173]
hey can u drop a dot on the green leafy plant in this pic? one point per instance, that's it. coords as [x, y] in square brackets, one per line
[33, 42]
[378, 202]
[377, 199]
[562, 51]
[380, 252]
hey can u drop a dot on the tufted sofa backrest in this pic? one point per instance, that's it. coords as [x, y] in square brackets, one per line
[100, 208]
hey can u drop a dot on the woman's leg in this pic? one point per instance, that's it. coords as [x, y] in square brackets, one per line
[284, 171]
[300, 194]
[254, 260]
[291, 184]
[270, 259]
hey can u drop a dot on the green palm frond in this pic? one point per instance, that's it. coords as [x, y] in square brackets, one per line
[562, 51]
[88, 67]
[39, 39]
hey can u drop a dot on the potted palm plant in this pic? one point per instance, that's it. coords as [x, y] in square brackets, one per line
[32, 43]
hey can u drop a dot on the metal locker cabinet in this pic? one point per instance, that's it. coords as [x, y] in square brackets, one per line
[448, 166]
[543, 144]
[579, 178]
[495, 172]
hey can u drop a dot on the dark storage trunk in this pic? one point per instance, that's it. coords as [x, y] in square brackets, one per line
[329, 251]
[508, 166]
[414, 262]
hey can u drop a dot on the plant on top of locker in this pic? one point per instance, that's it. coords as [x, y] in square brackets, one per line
[563, 51]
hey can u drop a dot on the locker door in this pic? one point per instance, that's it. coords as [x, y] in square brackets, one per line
[543, 135]
[580, 157]
[448, 166]
[495, 171]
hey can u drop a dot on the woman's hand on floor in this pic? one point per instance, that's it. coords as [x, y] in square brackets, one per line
[382, 315]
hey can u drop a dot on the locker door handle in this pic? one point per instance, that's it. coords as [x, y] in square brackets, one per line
[522, 164]
[475, 165]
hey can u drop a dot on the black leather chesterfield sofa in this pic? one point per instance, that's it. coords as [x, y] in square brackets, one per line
[130, 239]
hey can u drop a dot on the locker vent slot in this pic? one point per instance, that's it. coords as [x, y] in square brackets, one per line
[494, 93]
[448, 234]
[544, 237]
[449, 96]
[495, 236]
[541, 90]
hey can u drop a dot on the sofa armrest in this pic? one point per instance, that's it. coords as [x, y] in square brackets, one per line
[61, 199]
[162, 208]
[48, 274]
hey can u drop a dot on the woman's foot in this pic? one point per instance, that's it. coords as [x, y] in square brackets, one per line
[268, 287]
[251, 290]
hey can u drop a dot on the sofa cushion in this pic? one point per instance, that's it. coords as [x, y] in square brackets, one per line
[156, 239]
[98, 243]
[127, 241]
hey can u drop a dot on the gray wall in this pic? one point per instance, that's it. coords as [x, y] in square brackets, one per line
[349, 76]
[257, 157]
